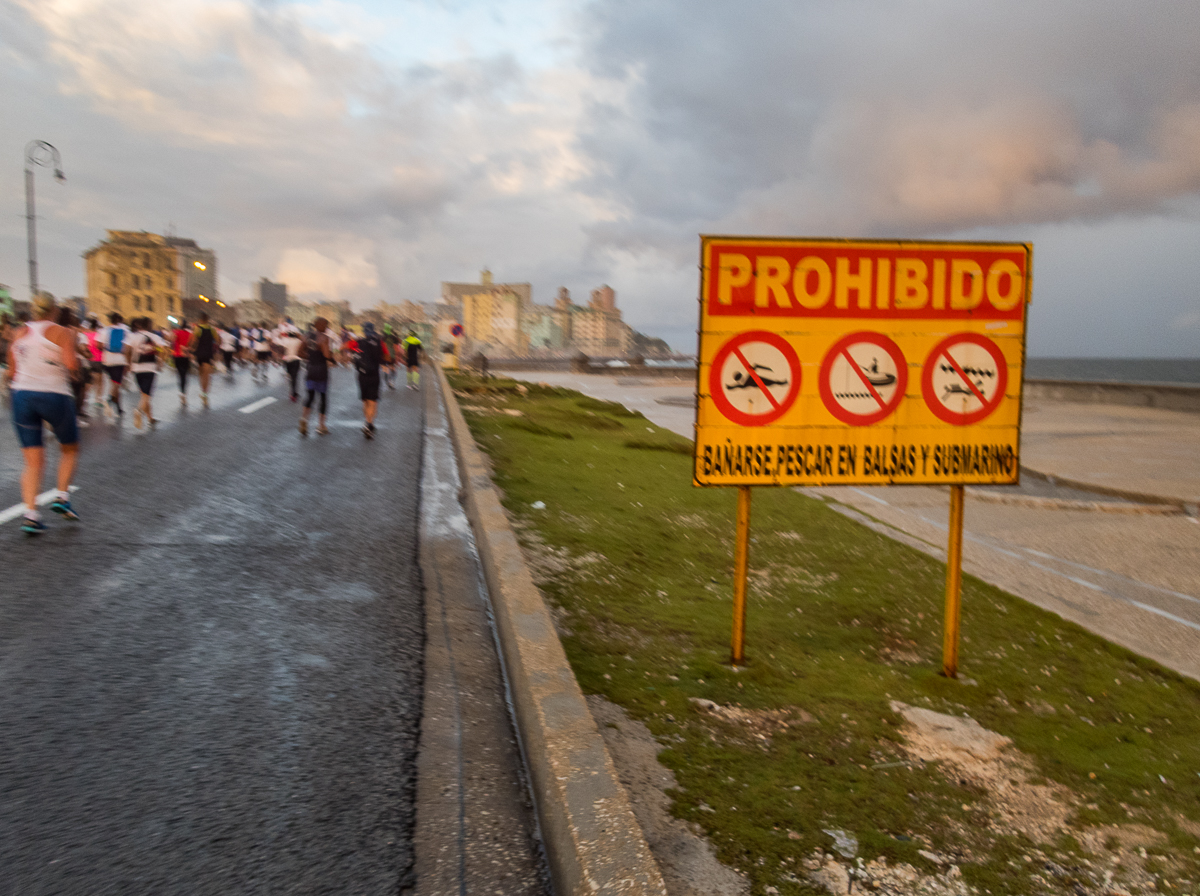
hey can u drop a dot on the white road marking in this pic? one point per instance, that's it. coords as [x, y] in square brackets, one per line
[871, 497]
[258, 405]
[17, 509]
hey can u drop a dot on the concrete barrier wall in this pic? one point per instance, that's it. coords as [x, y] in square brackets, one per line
[1150, 395]
[593, 842]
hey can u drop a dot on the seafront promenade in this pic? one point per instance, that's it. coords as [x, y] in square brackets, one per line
[1090, 539]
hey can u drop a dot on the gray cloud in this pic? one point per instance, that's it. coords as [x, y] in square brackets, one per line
[312, 155]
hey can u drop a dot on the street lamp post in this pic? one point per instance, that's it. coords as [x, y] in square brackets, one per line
[37, 152]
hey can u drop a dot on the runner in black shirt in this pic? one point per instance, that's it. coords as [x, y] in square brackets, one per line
[317, 356]
[204, 349]
[368, 356]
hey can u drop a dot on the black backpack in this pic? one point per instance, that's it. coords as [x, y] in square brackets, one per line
[370, 354]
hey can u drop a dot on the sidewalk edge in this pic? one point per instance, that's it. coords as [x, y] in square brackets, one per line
[1182, 505]
[593, 842]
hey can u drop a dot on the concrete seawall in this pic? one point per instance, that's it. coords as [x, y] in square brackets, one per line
[1165, 396]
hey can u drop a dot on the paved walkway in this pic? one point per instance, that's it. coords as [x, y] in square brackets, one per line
[1132, 578]
[1134, 449]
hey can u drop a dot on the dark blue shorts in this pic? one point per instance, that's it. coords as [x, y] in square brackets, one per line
[318, 386]
[32, 409]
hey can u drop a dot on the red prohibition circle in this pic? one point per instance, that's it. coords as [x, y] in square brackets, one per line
[456, 330]
[941, 349]
[734, 346]
[885, 408]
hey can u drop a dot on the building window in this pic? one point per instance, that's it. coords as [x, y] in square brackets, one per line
[112, 279]
[137, 303]
[149, 303]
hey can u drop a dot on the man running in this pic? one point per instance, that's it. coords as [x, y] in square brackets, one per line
[112, 342]
[42, 359]
[390, 343]
[318, 354]
[412, 358]
[368, 356]
[203, 347]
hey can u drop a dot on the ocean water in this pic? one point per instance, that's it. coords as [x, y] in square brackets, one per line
[1183, 371]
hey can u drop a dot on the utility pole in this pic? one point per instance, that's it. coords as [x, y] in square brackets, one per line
[37, 152]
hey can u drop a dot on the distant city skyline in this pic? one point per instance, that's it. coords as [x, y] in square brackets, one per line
[362, 150]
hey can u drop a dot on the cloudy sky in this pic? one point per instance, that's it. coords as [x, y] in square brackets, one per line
[369, 149]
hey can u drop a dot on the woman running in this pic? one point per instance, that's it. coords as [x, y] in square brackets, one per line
[142, 352]
[203, 346]
[181, 338]
[93, 366]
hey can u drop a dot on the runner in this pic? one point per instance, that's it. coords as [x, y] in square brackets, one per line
[180, 337]
[41, 359]
[412, 358]
[228, 347]
[65, 318]
[112, 355]
[90, 340]
[368, 356]
[291, 343]
[390, 342]
[260, 345]
[203, 347]
[142, 351]
[318, 354]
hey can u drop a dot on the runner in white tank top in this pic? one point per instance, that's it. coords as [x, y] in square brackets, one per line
[40, 366]
[41, 361]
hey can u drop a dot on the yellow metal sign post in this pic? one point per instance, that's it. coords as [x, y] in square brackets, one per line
[865, 362]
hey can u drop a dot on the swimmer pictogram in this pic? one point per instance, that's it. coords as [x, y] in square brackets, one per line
[755, 378]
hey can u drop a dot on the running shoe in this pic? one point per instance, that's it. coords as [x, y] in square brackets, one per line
[182, 400]
[204, 398]
[368, 431]
[303, 427]
[62, 506]
[31, 526]
[322, 430]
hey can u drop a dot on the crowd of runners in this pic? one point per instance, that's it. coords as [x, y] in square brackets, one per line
[64, 373]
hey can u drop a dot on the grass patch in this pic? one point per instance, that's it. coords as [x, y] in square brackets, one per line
[676, 447]
[842, 621]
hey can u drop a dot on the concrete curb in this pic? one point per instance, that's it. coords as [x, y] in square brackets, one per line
[1065, 504]
[1178, 505]
[593, 841]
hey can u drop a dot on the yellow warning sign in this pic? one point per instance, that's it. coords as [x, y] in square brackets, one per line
[860, 361]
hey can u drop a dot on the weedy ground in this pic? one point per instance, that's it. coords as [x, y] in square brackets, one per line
[843, 624]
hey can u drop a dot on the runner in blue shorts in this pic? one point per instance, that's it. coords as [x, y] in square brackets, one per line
[41, 361]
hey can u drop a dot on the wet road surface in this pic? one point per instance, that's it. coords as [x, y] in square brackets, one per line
[212, 683]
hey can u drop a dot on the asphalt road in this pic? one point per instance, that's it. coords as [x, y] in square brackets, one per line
[212, 683]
